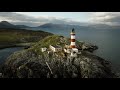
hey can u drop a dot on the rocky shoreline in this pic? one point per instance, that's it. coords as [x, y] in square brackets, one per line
[25, 45]
[6, 46]
[32, 63]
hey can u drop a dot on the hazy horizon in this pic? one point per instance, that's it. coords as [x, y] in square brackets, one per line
[74, 18]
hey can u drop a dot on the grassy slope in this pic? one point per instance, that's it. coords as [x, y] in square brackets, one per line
[54, 40]
[51, 40]
[13, 36]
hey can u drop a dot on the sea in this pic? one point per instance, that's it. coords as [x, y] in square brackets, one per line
[108, 42]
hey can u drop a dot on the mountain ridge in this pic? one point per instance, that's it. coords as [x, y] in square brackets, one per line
[6, 24]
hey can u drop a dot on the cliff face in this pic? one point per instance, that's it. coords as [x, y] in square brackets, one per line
[32, 63]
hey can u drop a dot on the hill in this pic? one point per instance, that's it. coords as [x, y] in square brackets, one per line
[22, 26]
[6, 24]
[15, 36]
[58, 26]
[32, 63]
[52, 26]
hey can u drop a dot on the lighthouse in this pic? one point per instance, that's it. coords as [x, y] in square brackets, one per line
[74, 50]
[72, 45]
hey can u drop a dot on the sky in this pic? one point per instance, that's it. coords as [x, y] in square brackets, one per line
[74, 18]
[78, 16]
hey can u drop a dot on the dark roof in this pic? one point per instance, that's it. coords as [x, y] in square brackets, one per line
[56, 46]
[73, 30]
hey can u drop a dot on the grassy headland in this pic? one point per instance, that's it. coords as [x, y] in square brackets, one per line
[14, 37]
[32, 63]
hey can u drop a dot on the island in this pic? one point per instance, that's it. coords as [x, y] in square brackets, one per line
[57, 57]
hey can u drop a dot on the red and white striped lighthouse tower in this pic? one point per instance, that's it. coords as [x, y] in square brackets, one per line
[72, 45]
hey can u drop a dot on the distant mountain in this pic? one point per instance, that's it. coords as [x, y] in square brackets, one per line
[58, 26]
[52, 26]
[100, 26]
[22, 26]
[104, 27]
[79, 27]
[5, 24]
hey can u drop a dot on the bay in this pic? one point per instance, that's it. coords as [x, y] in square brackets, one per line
[5, 53]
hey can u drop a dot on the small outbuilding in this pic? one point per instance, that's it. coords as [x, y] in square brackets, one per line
[67, 50]
[55, 48]
[74, 52]
[44, 49]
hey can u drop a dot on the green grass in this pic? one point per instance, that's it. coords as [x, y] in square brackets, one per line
[7, 39]
[13, 36]
[51, 40]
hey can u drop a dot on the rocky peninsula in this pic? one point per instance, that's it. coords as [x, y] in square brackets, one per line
[32, 63]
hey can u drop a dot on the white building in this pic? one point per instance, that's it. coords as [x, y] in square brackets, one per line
[74, 52]
[67, 50]
[55, 48]
[44, 49]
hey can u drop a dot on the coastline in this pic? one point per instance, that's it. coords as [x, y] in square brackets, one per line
[90, 65]
[26, 45]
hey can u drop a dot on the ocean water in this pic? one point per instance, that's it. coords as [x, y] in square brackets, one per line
[4, 53]
[108, 42]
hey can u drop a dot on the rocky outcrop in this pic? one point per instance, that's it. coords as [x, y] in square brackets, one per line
[32, 63]
[89, 47]
[26, 64]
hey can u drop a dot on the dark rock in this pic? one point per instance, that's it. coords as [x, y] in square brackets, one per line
[86, 65]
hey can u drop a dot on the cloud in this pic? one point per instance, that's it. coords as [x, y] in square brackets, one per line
[110, 18]
[22, 19]
[17, 18]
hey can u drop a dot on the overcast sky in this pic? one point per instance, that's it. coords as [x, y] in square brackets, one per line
[78, 18]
